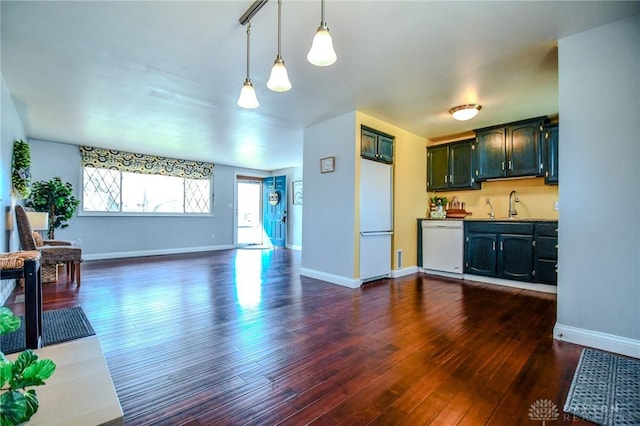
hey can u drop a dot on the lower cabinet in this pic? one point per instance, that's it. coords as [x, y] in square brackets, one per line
[511, 250]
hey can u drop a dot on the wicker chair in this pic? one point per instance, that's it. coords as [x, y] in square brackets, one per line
[51, 255]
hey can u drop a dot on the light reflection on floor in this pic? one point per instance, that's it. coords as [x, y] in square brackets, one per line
[248, 269]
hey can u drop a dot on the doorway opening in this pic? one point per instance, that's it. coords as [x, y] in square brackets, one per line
[249, 230]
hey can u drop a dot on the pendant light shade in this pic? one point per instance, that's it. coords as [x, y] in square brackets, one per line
[279, 78]
[248, 98]
[321, 53]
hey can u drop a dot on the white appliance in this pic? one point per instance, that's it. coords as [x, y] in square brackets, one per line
[376, 219]
[443, 246]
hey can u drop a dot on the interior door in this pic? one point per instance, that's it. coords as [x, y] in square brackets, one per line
[275, 209]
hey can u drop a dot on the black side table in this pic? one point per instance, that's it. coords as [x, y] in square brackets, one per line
[31, 272]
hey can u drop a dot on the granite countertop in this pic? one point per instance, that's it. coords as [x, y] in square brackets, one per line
[498, 219]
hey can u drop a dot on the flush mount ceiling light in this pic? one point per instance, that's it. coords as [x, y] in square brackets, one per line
[465, 112]
[322, 53]
[248, 97]
[279, 79]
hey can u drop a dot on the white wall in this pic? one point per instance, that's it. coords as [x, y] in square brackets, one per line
[329, 201]
[127, 236]
[599, 231]
[12, 129]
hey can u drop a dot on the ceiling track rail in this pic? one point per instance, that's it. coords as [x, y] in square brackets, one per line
[251, 11]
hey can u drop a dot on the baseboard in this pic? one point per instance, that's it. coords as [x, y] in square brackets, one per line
[545, 288]
[442, 273]
[160, 252]
[404, 271]
[598, 340]
[330, 278]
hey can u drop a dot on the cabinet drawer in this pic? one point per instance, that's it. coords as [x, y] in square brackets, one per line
[549, 229]
[546, 247]
[500, 227]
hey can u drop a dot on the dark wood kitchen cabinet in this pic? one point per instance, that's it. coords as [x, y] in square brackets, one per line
[514, 250]
[376, 146]
[499, 249]
[510, 150]
[546, 253]
[451, 166]
[551, 154]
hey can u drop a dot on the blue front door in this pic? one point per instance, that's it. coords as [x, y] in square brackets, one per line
[275, 209]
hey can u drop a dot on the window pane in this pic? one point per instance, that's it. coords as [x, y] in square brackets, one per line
[152, 193]
[196, 196]
[101, 190]
[114, 191]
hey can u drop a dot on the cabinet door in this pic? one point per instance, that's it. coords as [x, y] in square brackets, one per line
[491, 153]
[515, 257]
[551, 141]
[368, 145]
[481, 254]
[524, 157]
[437, 168]
[462, 165]
[385, 149]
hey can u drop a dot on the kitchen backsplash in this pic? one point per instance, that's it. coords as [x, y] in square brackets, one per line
[537, 200]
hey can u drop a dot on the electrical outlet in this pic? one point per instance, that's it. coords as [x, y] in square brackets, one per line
[78, 242]
[556, 205]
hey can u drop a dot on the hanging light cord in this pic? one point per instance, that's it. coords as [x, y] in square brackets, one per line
[323, 23]
[279, 13]
[248, 46]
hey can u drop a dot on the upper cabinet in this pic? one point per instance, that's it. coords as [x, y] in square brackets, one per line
[510, 150]
[551, 154]
[451, 166]
[376, 146]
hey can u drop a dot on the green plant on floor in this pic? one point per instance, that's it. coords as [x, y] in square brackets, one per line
[17, 404]
[20, 168]
[56, 198]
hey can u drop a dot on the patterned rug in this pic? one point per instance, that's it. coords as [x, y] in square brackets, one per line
[57, 327]
[605, 389]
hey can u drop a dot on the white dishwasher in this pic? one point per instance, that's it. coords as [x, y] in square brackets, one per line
[443, 246]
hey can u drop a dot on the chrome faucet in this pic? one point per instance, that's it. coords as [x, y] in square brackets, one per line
[491, 215]
[512, 209]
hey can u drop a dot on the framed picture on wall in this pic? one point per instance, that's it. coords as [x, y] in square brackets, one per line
[327, 165]
[296, 191]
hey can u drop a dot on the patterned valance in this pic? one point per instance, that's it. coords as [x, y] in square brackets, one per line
[141, 163]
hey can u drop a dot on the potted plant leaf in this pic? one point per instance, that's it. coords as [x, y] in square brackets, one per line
[17, 404]
[56, 198]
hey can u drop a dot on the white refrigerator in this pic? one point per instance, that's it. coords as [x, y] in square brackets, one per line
[376, 219]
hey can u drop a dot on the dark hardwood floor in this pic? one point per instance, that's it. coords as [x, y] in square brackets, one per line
[238, 337]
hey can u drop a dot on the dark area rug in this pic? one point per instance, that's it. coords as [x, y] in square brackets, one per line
[605, 389]
[57, 326]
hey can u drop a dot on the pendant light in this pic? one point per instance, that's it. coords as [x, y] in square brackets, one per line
[279, 79]
[321, 53]
[248, 97]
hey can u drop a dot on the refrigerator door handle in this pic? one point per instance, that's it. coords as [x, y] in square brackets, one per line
[374, 233]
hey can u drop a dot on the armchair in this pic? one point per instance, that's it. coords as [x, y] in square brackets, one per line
[57, 252]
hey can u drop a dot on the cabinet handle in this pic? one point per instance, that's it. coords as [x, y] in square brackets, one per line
[494, 246]
[556, 246]
[541, 166]
[503, 165]
[445, 178]
[450, 178]
[510, 165]
[533, 243]
[501, 245]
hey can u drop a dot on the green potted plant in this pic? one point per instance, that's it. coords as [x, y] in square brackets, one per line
[56, 198]
[17, 403]
[20, 168]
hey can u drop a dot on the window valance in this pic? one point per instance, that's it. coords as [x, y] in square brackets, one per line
[142, 163]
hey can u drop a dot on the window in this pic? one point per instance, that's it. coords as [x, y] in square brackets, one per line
[107, 190]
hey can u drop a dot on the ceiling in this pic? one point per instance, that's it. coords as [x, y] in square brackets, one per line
[163, 77]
